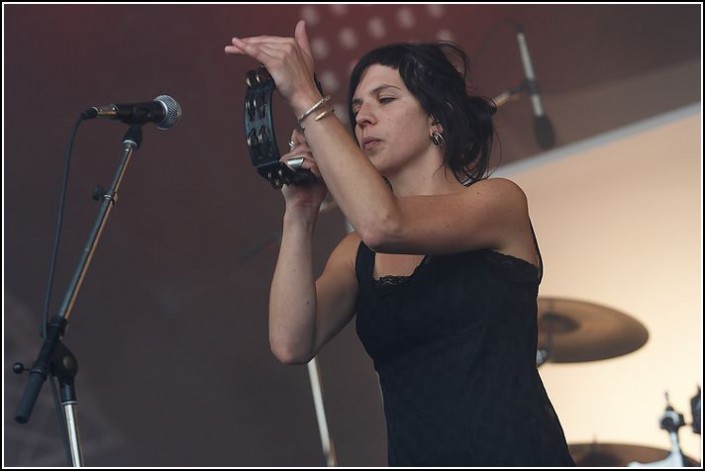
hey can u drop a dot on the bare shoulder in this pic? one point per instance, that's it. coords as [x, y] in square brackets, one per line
[499, 185]
[338, 278]
[346, 250]
[500, 191]
[510, 224]
[350, 242]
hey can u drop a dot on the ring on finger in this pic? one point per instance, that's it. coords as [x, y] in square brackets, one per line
[295, 163]
[292, 144]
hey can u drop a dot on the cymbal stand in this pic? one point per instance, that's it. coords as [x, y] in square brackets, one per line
[670, 421]
[551, 324]
[543, 354]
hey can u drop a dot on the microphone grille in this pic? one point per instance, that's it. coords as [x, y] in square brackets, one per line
[173, 111]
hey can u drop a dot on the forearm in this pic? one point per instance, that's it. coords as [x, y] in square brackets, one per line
[358, 188]
[292, 302]
[354, 182]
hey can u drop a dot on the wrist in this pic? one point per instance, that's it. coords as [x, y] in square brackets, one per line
[315, 110]
[305, 216]
[304, 101]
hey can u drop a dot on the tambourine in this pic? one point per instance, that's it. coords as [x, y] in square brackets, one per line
[259, 132]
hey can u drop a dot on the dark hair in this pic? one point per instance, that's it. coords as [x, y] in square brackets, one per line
[429, 74]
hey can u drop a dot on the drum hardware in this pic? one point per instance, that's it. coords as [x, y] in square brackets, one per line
[552, 324]
[670, 421]
[696, 411]
[614, 454]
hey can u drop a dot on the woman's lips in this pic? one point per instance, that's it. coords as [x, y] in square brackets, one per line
[370, 143]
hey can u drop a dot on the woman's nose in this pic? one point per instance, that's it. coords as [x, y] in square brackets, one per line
[364, 116]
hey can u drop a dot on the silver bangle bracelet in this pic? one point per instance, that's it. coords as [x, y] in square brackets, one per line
[313, 108]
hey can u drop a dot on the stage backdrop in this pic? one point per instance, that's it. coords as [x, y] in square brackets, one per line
[169, 327]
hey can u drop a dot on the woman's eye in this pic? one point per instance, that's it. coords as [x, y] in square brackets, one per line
[386, 99]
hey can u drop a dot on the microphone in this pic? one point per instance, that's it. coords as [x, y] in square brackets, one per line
[543, 129]
[164, 111]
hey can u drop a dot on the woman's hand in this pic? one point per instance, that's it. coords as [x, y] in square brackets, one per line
[308, 196]
[288, 60]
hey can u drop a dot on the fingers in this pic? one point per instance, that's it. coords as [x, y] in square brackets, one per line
[284, 44]
[270, 43]
[295, 163]
[265, 49]
[233, 49]
[241, 46]
[263, 40]
[297, 138]
[301, 160]
[302, 37]
[287, 59]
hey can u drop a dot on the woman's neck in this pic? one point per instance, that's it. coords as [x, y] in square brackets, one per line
[427, 180]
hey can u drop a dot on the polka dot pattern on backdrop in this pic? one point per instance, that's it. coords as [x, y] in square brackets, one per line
[340, 34]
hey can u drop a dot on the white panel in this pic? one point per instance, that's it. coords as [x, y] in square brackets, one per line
[619, 222]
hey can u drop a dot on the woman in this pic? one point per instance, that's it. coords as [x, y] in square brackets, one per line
[442, 269]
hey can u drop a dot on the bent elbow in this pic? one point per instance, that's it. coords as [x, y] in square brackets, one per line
[289, 356]
[381, 234]
[374, 241]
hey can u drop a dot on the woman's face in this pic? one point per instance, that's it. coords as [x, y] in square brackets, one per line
[391, 127]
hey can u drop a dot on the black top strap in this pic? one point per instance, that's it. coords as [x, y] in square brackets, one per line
[538, 252]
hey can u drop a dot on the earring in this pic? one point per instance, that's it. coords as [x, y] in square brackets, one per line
[437, 138]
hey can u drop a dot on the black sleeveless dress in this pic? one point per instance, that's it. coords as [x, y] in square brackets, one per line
[454, 346]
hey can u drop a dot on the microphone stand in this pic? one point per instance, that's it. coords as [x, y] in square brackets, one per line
[510, 94]
[54, 358]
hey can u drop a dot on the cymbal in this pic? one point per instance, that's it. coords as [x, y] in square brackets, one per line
[573, 331]
[618, 454]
